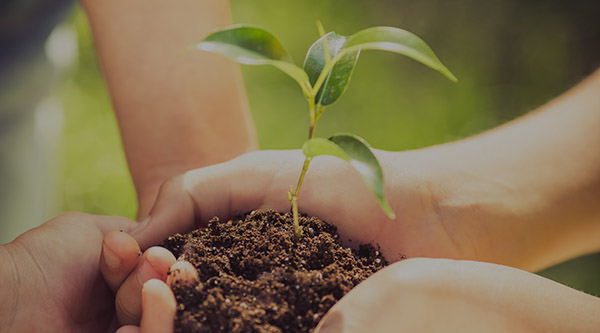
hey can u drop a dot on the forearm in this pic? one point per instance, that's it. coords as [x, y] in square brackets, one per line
[177, 110]
[534, 181]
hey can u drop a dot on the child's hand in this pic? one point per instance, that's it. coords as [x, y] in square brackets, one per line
[135, 280]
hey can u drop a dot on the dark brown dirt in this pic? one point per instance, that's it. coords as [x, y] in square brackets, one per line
[255, 278]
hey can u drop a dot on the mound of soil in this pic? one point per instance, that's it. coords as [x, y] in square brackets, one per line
[255, 278]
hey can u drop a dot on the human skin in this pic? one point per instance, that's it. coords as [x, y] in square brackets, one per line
[176, 110]
[430, 295]
[159, 302]
[523, 195]
[163, 97]
[51, 278]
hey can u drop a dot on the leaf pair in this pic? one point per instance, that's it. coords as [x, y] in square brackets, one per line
[252, 45]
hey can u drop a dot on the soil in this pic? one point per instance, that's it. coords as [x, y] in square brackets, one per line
[253, 276]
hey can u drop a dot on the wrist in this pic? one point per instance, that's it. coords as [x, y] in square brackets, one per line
[9, 281]
[502, 205]
[485, 216]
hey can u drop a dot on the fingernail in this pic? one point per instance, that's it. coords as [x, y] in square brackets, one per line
[147, 272]
[148, 284]
[141, 225]
[111, 259]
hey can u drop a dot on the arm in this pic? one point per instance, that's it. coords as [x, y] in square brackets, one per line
[176, 111]
[531, 187]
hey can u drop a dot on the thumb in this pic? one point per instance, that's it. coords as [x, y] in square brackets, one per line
[172, 212]
[373, 306]
[192, 199]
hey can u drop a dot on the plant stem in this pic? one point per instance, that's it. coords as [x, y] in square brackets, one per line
[329, 63]
[294, 199]
[314, 115]
[320, 112]
[296, 193]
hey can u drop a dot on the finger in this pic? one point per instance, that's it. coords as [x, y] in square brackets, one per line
[154, 264]
[172, 212]
[120, 255]
[159, 307]
[182, 272]
[109, 223]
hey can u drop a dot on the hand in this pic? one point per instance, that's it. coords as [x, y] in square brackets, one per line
[434, 219]
[53, 278]
[424, 295]
[430, 295]
[129, 282]
[519, 195]
[332, 191]
[158, 302]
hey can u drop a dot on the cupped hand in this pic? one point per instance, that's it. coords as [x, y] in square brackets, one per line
[332, 191]
[431, 295]
[56, 275]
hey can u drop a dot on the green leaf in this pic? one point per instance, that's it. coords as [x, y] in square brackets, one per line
[398, 41]
[252, 45]
[337, 79]
[357, 152]
[319, 146]
[344, 52]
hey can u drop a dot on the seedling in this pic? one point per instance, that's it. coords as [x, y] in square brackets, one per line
[324, 77]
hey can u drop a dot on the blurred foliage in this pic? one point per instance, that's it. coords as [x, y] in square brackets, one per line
[510, 57]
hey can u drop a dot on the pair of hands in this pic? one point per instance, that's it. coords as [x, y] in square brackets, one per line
[57, 263]
[460, 294]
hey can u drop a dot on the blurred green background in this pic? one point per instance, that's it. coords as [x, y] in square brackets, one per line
[510, 57]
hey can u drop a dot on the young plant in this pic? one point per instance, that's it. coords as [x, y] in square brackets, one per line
[324, 77]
